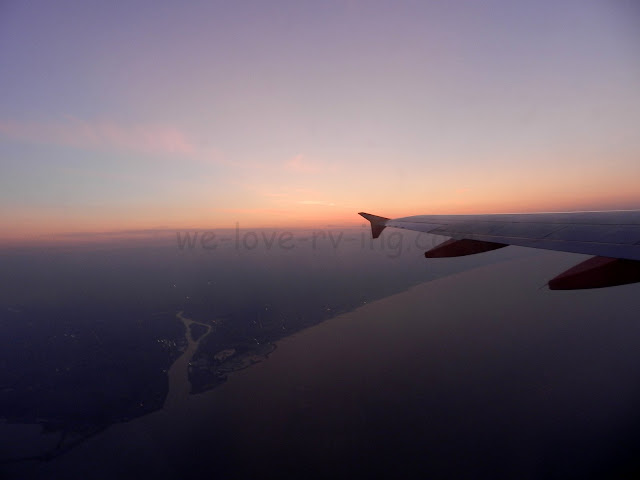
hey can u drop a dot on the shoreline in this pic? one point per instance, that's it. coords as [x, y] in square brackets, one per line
[427, 361]
[389, 306]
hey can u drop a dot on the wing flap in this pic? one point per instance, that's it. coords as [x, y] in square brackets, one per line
[460, 248]
[597, 272]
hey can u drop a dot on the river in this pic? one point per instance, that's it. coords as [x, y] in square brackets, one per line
[179, 385]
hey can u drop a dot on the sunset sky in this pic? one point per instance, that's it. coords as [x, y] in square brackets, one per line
[149, 114]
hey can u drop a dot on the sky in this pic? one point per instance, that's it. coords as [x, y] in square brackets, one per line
[156, 114]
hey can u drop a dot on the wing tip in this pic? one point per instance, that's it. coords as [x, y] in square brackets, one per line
[378, 223]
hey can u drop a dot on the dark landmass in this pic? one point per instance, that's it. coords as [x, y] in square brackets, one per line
[87, 336]
[70, 375]
[197, 330]
[87, 333]
[212, 370]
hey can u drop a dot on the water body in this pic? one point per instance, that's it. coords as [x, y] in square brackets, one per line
[179, 385]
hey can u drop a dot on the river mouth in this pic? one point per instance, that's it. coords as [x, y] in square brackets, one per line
[178, 374]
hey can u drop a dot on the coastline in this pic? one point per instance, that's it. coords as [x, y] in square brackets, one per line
[417, 366]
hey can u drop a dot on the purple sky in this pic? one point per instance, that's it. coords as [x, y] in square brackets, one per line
[145, 114]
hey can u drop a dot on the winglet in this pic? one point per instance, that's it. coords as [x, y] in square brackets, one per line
[378, 224]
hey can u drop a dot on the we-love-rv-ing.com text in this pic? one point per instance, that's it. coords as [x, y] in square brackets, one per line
[393, 243]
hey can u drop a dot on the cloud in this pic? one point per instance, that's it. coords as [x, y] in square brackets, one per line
[107, 135]
[317, 202]
[300, 164]
[275, 194]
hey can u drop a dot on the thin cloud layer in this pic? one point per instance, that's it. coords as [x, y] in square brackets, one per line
[317, 202]
[71, 132]
[301, 164]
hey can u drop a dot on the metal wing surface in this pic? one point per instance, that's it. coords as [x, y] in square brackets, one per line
[613, 237]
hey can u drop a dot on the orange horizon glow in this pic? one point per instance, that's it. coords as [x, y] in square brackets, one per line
[61, 229]
[307, 122]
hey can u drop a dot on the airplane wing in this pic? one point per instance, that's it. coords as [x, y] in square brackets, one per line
[613, 237]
